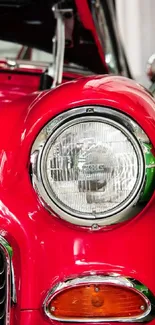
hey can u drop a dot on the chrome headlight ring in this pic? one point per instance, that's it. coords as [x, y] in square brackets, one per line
[49, 146]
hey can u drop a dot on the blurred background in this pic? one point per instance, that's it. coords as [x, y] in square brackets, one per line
[136, 19]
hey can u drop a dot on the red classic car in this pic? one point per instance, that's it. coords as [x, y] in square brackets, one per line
[77, 172]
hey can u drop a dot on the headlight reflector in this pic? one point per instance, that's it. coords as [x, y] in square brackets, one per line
[90, 167]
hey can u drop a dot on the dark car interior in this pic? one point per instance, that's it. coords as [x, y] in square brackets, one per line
[32, 23]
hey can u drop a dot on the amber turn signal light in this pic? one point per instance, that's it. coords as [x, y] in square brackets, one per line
[97, 301]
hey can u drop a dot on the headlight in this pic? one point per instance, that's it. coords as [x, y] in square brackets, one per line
[90, 167]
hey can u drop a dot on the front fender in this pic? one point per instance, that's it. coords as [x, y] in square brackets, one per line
[46, 249]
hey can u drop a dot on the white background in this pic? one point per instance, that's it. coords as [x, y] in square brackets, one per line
[136, 20]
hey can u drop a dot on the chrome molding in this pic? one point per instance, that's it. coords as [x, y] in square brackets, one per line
[13, 64]
[7, 250]
[98, 279]
[130, 128]
[59, 45]
[58, 48]
[13, 286]
[26, 64]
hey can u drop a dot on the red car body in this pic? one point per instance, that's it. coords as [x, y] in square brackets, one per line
[46, 249]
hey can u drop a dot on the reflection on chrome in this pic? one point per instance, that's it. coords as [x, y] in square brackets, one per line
[97, 280]
[91, 170]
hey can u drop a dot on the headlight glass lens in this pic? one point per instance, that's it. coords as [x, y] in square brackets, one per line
[91, 168]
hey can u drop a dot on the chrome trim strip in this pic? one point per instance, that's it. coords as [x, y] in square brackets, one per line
[96, 279]
[7, 252]
[13, 293]
[26, 64]
[13, 64]
[127, 125]
[58, 46]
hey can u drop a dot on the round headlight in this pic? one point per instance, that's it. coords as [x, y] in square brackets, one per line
[90, 168]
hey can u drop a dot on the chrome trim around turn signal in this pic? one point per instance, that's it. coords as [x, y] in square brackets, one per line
[119, 281]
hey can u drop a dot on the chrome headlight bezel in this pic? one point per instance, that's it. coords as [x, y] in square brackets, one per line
[51, 131]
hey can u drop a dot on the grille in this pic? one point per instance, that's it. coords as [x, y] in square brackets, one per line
[3, 286]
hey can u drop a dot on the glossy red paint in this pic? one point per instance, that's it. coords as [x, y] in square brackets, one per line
[46, 249]
[34, 317]
[14, 84]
